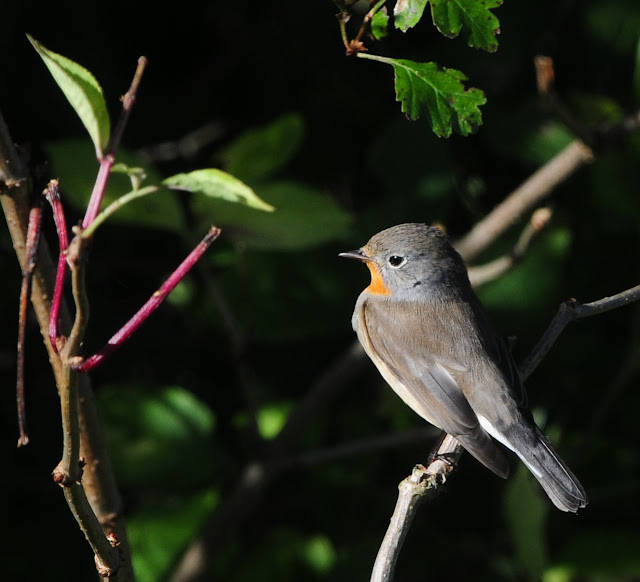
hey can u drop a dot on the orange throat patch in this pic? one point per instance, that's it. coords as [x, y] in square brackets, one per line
[377, 286]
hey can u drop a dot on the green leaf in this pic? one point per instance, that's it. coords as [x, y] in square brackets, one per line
[259, 153]
[379, 24]
[474, 16]
[407, 13]
[215, 183]
[305, 218]
[73, 162]
[428, 89]
[83, 93]
[526, 513]
[155, 435]
[271, 418]
[162, 529]
[598, 555]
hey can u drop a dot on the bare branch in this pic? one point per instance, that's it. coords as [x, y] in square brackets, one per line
[479, 275]
[529, 194]
[423, 484]
[570, 311]
[33, 236]
[15, 200]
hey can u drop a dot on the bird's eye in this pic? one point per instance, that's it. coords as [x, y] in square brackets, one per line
[396, 260]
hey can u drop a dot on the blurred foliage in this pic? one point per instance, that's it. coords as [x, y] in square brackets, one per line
[319, 136]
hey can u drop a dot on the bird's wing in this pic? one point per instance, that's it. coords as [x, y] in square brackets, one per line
[420, 366]
[498, 350]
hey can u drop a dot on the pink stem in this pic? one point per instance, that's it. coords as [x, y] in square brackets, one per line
[33, 236]
[108, 158]
[150, 306]
[53, 196]
[99, 188]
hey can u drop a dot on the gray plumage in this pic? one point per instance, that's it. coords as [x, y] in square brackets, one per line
[424, 328]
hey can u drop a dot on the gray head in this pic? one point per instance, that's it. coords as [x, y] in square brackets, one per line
[411, 256]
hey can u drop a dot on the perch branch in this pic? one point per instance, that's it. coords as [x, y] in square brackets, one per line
[423, 484]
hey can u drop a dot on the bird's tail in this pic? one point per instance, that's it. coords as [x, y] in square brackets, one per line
[559, 483]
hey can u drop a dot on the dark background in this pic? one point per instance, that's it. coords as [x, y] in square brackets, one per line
[237, 67]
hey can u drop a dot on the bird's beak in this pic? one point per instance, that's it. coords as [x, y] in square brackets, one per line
[357, 254]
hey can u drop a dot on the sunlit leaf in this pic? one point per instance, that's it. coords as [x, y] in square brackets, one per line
[271, 418]
[407, 13]
[427, 89]
[215, 183]
[473, 17]
[379, 24]
[83, 93]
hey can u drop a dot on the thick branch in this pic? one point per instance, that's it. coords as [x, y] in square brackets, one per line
[98, 481]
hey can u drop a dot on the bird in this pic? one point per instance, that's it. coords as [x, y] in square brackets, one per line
[424, 328]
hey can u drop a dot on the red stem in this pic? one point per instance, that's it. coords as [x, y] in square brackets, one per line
[151, 305]
[108, 158]
[53, 196]
[33, 236]
[99, 188]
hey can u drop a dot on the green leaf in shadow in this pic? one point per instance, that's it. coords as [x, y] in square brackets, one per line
[162, 529]
[74, 164]
[526, 512]
[305, 218]
[258, 154]
[157, 436]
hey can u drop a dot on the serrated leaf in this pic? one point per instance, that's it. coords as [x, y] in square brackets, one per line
[83, 93]
[217, 184]
[407, 13]
[431, 90]
[474, 16]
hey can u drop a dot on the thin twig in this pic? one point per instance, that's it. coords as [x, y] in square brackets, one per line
[52, 194]
[423, 484]
[33, 236]
[108, 157]
[480, 275]
[150, 306]
[98, 481]
[570, 311]
[529, 194]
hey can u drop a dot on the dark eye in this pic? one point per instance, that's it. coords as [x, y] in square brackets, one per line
[396, 260]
